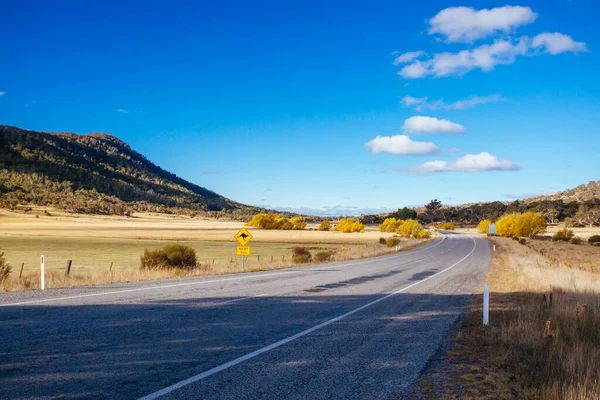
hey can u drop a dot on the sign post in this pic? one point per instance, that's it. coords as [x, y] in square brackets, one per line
[43, 279]
[243, 237]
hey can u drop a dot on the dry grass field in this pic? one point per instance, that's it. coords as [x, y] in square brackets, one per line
[583, 233]
[543, 341]
[93, 243]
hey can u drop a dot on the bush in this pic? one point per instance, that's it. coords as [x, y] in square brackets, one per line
[424, 235]
[390, 225]
[594, 239]
[170, 256]
[5, 268]
[515, 238]
[529, 225]
[523, 241]
[447, 226]
[576, 240]
[564, 234]
[484, 226]
[505, 226]
[272, 221]
[298, 222]
[301, 255]
[409, 227]
[323, 256]
[350, 225]
[382, 240]
[392, 242]
[324, 226]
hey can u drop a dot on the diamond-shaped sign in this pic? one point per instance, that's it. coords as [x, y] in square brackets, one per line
[243, 236]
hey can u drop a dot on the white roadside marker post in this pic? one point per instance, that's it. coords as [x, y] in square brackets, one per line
[43, 275]
[486, 304]
[243, 263]
[494, 247]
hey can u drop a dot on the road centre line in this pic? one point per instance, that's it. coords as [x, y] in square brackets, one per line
[272, 346]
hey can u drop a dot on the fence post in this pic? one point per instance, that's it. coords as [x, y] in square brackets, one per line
[110, 268]
[68, 268]
[21, 273]
[486, 304]
[43, 274]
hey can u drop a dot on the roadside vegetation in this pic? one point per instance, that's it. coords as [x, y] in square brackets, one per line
[350, 225]
[272, 221]
[543, 340]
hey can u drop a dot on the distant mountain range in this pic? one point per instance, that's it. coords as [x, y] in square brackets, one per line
[96, 173]
[580, 194]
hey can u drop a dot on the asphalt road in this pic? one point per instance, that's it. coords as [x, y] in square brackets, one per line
[351, 330]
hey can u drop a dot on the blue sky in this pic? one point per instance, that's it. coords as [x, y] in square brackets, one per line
[348, 106]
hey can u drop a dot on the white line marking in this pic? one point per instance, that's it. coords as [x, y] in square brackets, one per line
[295, 271]
[258, 352]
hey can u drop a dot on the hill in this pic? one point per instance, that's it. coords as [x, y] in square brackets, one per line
[580, 194]
[96, 173]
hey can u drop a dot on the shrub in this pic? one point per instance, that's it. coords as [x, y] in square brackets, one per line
[47, 213]
[529, 225]
[390, 225]
[5, 268]
[301, 255]
[298, 222]
[447, 226]
[325, 226]
[515, 238]
[484, 226]
[409, 227]
[564, 234]
[505, 226]
[350, 225]
[272, 221]
[523, 241]
[594, 239]
[576, 240]
[392, 242]
[170, 256]
[382, 240]
[424, 235]
[323, 256]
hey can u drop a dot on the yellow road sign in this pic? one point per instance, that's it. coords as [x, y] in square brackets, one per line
[243, 236]
[242, 250]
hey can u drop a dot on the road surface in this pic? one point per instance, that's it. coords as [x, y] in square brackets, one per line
[348, 330]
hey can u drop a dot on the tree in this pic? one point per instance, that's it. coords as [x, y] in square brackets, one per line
[349, 225]
[551, 214]
[409, 227]
[588, 215]
[529, 225]
[432, 208]
[405, 213]
[298, 222]
[505, 226]
[484, 226]
[324, 226]
[390, 225]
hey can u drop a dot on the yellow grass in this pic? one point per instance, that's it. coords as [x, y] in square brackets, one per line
[93, 243]
[534, 347]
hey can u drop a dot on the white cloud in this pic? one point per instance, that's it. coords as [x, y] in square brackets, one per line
[2, 93]
[421, 124]
[465, 24]
[401, 145]
[423, 103]
[487, 56]
[408, 57]
[123, 111]
[468, 163]
[556, 43]
[334, 211]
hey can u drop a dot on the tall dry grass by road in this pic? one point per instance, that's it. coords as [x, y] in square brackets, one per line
[543, 341]
[56, 278]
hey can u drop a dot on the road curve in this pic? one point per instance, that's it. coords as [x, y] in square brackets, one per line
[349, 330]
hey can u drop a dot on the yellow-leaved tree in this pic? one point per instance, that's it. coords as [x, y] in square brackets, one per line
[409, 227]
[270, 221]
[390, 225]
[505, 226]
[530, 224]
[298, 222]
[484, 226]
[350, 225]
[324, 226]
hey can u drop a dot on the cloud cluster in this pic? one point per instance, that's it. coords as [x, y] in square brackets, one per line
[465, 24]
[421, 124]
[2, 93]
[423, 103]
[467, 163]
[123, 111]
[401, 145]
